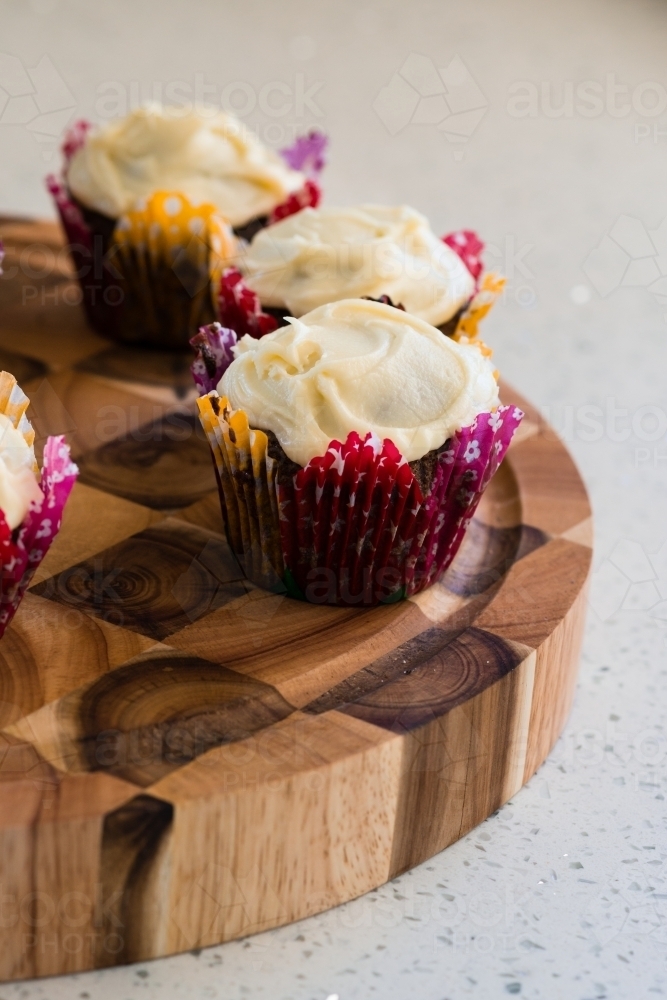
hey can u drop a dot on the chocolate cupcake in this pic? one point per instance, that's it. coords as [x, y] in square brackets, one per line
[224, 179]
[31, 503]
[371, 251]
[352, 447]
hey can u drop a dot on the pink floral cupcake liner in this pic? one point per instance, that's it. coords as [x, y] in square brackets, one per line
[23, 548]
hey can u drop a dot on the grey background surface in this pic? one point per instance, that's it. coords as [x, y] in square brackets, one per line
[563, 893]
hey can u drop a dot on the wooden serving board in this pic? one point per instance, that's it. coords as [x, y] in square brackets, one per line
[186, 759]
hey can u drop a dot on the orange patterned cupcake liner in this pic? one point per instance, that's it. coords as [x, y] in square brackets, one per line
[490, 289]
[168, 224]
[14, 404]
[247, 479]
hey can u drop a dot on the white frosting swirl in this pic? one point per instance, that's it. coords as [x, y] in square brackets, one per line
[18, 485]
[359, 366]
[209, 158]
[321, 255]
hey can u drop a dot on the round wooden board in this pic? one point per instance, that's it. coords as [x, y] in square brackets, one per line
[185, 759]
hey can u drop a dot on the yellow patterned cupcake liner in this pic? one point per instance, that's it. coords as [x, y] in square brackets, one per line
[467, 329]
[247, 478]
[14, 404]
[168, 224]
[482, 302]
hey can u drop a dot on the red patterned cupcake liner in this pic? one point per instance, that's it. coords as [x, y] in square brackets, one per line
[22, 550]
[239, 307]
[309, 196]
[355, 527]
[467, 244]
[74, 138]
[306, 154]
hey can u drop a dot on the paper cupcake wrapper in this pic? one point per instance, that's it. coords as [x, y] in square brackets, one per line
[78, 232]
[159, 279]
[356, 528]
[13, 405]
[170, 256]
[239, 308]
[167, 224]
[213, 345]
[352, 527]
[247, 483]
[74, 138]
[307, 153]
[490, 289]
[467, 244]
[309, 196]
[22, 550]
[98, 279]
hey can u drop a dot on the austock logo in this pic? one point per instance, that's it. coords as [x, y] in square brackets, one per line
[38, 98]
[631, 579]
[422, 94]
[630, 256]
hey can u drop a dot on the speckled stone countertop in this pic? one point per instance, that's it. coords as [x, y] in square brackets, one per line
[550, 139]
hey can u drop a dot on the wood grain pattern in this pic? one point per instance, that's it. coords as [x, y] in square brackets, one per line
[115, 520]
[50, 833]
[553, 497]
[524, 613]
[463, 765]
[135, 838]
[155, 582]
[132, 365]
[327, 781]
[149, 717]
[422, 679]
[186, 759]
[165, 464]
[51, 650]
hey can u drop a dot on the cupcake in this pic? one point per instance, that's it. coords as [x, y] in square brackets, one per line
[352, 447]
[151, 205]
[389, 254]
[30, 509]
